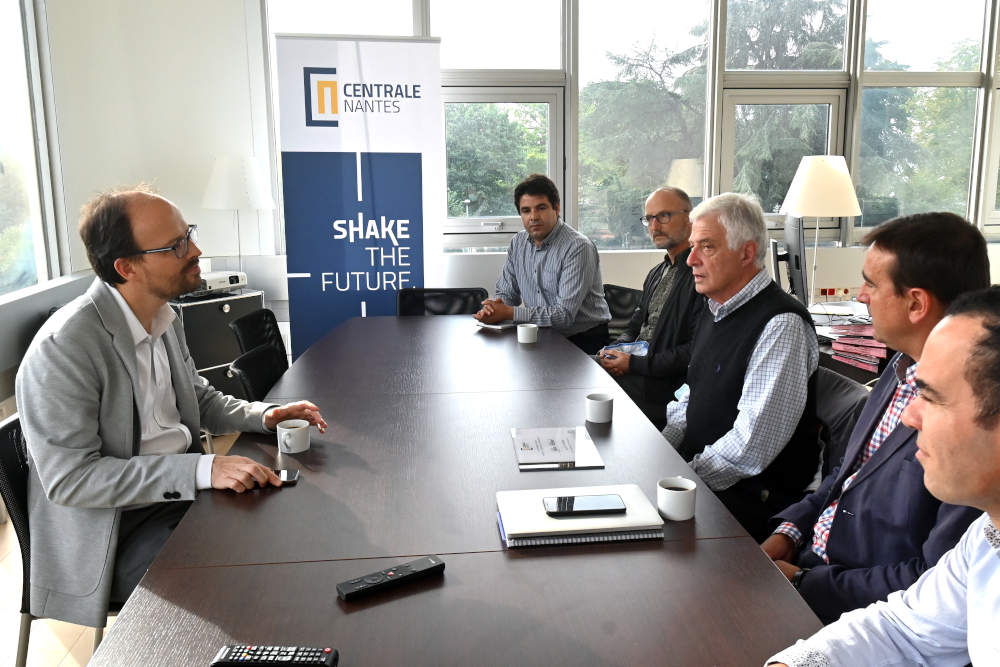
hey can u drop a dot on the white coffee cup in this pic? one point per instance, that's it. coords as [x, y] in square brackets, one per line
[675, 498]
[293, 436]
[527, 333]
[599, 407]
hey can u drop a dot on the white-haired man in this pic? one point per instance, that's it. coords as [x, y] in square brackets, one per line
[748, 424]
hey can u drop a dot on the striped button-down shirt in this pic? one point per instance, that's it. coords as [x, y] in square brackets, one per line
[774, 396]
[557, 284]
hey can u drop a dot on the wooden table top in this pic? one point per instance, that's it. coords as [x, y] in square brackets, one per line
[410, 465]
[695, 602]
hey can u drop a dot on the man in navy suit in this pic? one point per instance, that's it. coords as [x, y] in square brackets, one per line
[871, 527]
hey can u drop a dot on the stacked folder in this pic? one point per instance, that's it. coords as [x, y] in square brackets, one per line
[856, 346]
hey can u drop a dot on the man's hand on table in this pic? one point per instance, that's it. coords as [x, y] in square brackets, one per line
[614, 361]
[494, 311]
[298, 410]
[240, 474]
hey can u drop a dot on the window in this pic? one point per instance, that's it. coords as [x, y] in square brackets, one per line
[950, 42]
[920, 110]
[372, 17]
[785, 35]
[642, 105]
[514, 34]
[916, 151]
[494, 137]
[616, 99]
[22, 250]
[766, 135]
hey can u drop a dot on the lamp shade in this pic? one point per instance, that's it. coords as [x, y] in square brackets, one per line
[688, 174]
[237, 182]
[822, 188]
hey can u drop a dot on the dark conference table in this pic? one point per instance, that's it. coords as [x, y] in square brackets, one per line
[420, 412]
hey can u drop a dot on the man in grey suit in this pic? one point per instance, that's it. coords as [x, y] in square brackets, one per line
[111, 408]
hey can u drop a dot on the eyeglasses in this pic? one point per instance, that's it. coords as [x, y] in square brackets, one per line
[663, 217]
[180, 249]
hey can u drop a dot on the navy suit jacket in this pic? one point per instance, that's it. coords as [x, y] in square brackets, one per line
[888, 528]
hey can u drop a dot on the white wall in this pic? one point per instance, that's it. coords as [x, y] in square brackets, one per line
[152, 91]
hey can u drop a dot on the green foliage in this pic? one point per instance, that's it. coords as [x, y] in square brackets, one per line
[916, 152]
[785, 34]
[17, 258]
[915, 143]
[631, 131]
[490, 149]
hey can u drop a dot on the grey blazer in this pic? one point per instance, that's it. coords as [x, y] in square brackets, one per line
[75, 397]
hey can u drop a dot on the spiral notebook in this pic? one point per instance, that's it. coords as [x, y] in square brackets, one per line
[523, 522]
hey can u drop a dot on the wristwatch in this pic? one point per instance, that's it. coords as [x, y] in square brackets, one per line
[797, 577]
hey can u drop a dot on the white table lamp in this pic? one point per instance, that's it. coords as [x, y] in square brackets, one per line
[822, 188]
[237, 182]
[688, 174]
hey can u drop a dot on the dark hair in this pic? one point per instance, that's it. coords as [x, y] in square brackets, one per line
[536, 184]
[106, 230]
[939, 252]
[982, 369]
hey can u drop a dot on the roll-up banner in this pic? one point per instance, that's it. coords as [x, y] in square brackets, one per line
[362, 163]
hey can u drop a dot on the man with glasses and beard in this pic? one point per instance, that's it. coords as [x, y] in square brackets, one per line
[111, 408]
[667, 315]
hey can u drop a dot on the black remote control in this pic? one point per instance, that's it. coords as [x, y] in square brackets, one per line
[389, 577]
[251, 655]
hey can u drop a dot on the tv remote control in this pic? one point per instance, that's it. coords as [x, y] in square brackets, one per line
[389, 577]
[251, 655]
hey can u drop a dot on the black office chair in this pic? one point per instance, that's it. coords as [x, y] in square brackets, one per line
[839, 402]
[14, 491]
[622, 302]
[440, 301]
[258, 328]
[258, 370]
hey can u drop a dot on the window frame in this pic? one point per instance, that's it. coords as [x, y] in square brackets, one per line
[485, 231]
[731, 98]
[722, 84]
[49, 231]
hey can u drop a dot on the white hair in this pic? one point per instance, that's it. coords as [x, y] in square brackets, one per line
[742, 218]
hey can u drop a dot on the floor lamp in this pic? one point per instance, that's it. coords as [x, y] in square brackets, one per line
[822, 188]
[237, 182]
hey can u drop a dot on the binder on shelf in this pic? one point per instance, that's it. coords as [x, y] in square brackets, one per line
[874, 353]
[523, 522]
[866, 342]
[857, 363]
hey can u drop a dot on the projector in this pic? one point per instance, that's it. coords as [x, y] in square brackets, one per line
[220, 281]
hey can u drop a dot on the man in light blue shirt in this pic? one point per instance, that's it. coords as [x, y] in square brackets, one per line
[552, 276]
[951, 614]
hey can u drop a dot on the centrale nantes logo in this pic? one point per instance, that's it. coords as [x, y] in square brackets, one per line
[321, 96]
[324, 92]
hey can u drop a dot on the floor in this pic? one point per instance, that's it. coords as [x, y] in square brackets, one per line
[53, 643]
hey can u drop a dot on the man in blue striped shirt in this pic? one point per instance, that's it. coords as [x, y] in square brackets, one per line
[552, 276]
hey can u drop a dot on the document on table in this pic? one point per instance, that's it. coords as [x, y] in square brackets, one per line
[554, 448]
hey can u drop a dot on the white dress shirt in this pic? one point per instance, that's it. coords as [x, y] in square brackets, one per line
[950, 616]
[160, 421]
[774, 395]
